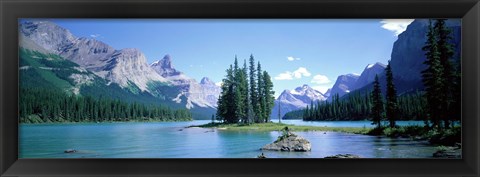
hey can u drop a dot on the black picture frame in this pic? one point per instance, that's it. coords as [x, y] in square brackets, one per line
[11, 10]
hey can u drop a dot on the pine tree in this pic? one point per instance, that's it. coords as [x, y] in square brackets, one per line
[269, 95]
[446, 52]
[253, 89]
[239, 97]
[432, 78]
[245, 95]
[377, 100]
[261, 97]
[392, 105]
[226, 104]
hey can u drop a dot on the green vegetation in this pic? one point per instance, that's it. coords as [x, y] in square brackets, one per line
[270, 126]
[447, 137]
[246, 101]
[38, 105]
[377, 101]
[438, 104]
[49, 71]
[441, 78]
[391, 104]
[359, 106]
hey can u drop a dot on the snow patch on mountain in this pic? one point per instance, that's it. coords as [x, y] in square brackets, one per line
[299, 98]
[203, 94]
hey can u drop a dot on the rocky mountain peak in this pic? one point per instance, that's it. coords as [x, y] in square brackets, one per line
[164, 67]
[376, 65]
[47, 35]
[344, 84]
[299, 98]
[368, 74]
[206, 81]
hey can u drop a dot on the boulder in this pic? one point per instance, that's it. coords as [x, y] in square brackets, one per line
[289, 142]
[343, 156]
[70, 151]
[262, 156]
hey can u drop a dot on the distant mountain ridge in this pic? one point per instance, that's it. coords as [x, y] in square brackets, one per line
[299, 98]
[203, 94]
[350, 82]
[126, 67]
[407, 58]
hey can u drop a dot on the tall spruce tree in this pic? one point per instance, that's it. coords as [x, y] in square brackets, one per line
[432, 78]
[237, 91]
[377, 101]
[269, 95]
[392, 104]
[445, 49]
[245, 94]
[261, 97]
[253, 88]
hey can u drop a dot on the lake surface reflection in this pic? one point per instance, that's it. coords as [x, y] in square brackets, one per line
[173, 140]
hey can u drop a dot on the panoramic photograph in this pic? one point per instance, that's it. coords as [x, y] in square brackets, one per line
[239, 88]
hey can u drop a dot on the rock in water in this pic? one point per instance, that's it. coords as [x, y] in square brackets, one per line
[343, 156]
[70, 151]
[289, 142]
[261, 156]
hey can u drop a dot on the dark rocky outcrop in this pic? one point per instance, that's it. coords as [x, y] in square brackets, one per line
[70, 151]
[289, 142]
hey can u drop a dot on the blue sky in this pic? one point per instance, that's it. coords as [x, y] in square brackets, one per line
[294, 52]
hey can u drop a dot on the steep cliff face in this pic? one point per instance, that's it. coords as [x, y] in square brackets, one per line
[129, 66]
[407, 55]
[125, 67]
[89, 53]
[47, 35]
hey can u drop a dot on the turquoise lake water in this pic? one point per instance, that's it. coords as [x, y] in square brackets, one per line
[173, 140]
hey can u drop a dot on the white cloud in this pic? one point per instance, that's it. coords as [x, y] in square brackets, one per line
[320, 79]
[301, 71]
[219, 83]
[297, 74]
[322, 89]
[290, 58]
[396, 25]
[94, 35]
[284, 76]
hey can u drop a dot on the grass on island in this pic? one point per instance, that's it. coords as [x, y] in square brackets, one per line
[279, 126]
[447, 137]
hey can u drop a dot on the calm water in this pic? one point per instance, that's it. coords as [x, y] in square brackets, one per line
[172, 140]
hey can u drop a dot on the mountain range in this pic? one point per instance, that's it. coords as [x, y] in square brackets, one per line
[88, 64]
[52, 57]
[406, 60]
[300, 97]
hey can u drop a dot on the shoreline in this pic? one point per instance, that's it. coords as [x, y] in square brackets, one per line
[271, 126]
[92, 122]
[417, 133]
